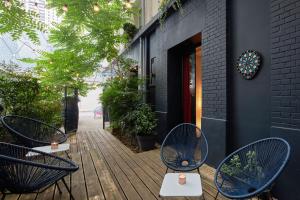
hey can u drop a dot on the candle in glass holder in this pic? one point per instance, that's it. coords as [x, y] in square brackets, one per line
[54, 145]
[182, 179]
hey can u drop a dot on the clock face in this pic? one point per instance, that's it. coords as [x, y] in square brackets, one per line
[248, 64]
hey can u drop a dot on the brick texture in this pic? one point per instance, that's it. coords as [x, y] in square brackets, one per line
[285, 60]
[215, 60]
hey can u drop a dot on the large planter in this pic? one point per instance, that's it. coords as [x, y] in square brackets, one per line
[146, 142]
[71, 114]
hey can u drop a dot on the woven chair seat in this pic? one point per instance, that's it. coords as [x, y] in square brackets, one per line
[32, 132]
[251, 170]
[25, 174]
[185, 148]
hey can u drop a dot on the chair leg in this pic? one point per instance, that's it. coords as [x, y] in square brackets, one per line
[58, 188]
[203, 196]
[216, 197]
[167, 170]
[69, 190]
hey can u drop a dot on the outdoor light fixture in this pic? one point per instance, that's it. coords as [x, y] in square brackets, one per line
[65, 8]
[96, 7]
[128, 4]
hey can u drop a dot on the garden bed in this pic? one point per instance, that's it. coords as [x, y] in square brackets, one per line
[127, 141]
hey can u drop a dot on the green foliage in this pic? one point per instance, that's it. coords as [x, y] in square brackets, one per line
[130, 30]
[163, 8]
[121, 94]
[83, 39]
[122, 98]
[16, 21]
[63, 68]
[251, 166]
[94, 35]
[140, 121]
[234, 166]
[22, 94]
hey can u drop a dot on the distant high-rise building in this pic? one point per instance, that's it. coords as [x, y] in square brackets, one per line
[47, 15]
[13, 51]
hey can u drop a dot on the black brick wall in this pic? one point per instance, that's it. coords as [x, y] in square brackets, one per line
[285, 89]
[214, 77]
[215, 60]
[285, 59]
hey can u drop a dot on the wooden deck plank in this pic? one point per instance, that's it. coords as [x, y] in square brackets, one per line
[12, 197]
[109, 188]
[47, 194]
[28, 196]
[149, 177]
[129, 155]
[134, 178]
[94, 189]
[122, 179]
[78, 182]
[109, 182]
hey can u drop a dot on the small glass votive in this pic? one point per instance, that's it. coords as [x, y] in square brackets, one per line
[182, 179]
[54, 145]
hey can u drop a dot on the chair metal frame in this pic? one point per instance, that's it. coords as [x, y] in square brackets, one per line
[190, 169]
[64, 171]
[31, 142]
[266, 188]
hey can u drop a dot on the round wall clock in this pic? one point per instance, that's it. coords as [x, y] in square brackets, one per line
[248, 64]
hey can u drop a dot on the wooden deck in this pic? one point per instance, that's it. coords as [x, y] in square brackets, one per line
[109, 170]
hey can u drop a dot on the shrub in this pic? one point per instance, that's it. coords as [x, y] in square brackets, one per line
[120, 96]
[130, 30]
[140, 121]
[21, 94]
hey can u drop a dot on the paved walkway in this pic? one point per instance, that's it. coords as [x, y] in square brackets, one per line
[109, 170]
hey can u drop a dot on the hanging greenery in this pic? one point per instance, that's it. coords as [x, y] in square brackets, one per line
[88, 34]
[15, 20]
[164, 6]
[130, 30]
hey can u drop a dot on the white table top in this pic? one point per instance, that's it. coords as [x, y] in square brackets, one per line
[47, 149]
[171, 188]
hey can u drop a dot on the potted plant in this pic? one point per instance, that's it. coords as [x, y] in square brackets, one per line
[141, 123]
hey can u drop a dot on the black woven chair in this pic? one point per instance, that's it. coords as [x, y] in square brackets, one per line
[24, 170]
[185, 148]
[31, 132]
[252, 170]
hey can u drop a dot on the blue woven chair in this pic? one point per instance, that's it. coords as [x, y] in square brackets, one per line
[31, 132]
[185, 148]
[24, 170]
[251, 170]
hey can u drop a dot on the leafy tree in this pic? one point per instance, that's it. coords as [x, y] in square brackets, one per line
[82, 40]
[16, 21]
[22, 94]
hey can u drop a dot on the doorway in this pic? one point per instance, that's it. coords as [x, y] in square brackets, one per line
[192, 87]
[185, 82]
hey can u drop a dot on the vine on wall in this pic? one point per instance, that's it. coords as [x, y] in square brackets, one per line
[164, 6]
